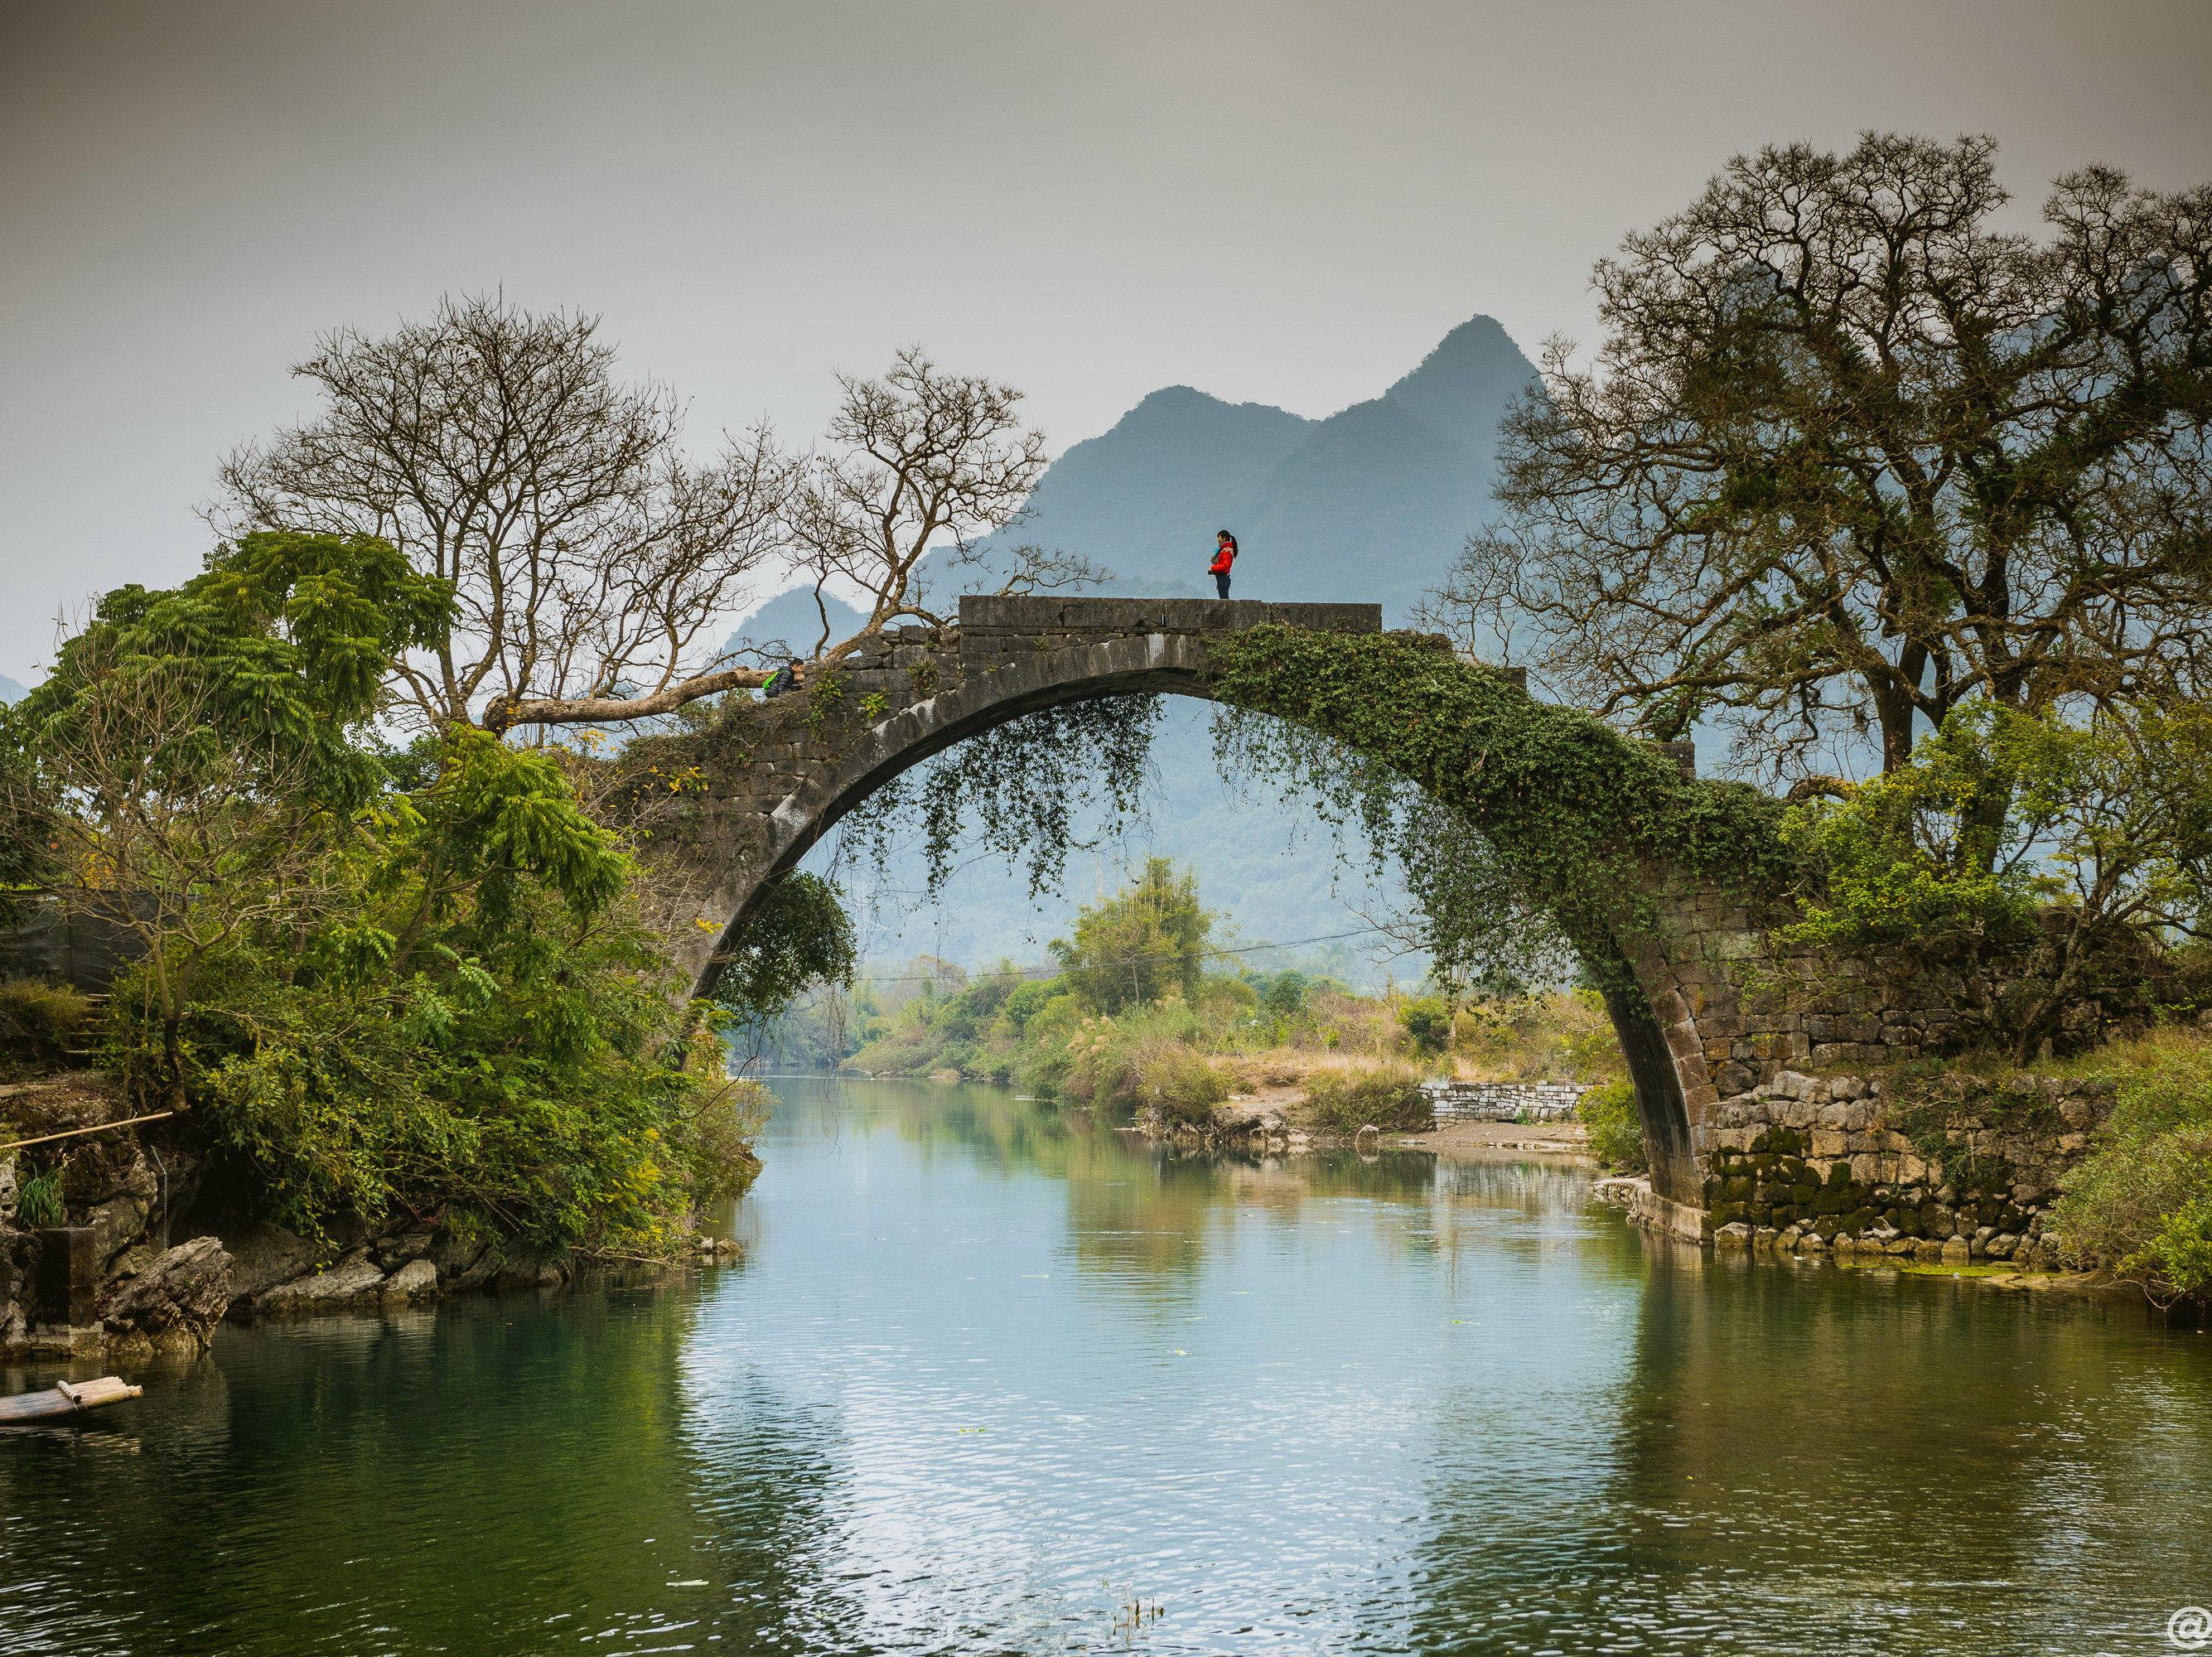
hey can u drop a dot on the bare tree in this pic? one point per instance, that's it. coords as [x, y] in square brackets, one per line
[587, 555]
[925, 466]
[591, 562]
[1849, 456]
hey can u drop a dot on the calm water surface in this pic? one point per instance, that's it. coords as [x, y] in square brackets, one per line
[993, 1380]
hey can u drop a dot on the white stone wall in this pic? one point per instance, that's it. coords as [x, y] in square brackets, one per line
[1505, 1102]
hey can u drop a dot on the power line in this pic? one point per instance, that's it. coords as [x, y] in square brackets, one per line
[1037, 973]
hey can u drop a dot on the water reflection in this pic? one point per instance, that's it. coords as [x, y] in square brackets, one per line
[991, 1371]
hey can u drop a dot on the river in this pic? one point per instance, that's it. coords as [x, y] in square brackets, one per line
[992, 1378]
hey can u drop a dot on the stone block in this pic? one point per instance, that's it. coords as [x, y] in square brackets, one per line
[1733, 1077]
[65, 1275]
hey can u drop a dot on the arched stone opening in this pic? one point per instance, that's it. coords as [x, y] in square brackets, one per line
[793, 771]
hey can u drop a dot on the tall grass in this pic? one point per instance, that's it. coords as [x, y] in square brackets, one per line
[1388, 1097]
[39, 1021]
[2141, 1205]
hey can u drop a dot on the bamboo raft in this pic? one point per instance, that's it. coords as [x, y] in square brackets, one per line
[66, 1397]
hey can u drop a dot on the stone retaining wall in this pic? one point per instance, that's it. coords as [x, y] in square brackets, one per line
[1505, 1102]
[1950, 1168]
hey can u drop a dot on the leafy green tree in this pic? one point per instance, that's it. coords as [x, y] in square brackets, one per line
[1851, 456]
[1285, 994]
[381, 981]
[1131, 948]
[196, 752]
[1427, 1021]
[1026, 1000]
[2105, 851]
[798, 936]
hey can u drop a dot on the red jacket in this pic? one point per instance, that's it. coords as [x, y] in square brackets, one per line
[1223, 558]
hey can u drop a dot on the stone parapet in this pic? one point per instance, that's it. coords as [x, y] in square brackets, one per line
[1048, 616]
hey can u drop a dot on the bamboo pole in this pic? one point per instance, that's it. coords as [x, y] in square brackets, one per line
[97, 1128]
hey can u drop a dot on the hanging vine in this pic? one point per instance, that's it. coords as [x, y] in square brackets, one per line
[1480, 928]
[1554, 812]
[1016, 790]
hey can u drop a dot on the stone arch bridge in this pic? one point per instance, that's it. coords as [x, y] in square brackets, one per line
[1702, 1029]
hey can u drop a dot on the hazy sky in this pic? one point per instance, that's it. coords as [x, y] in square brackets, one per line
[1282, 203]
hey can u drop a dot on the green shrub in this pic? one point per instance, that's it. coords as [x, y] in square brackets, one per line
[1028, 999]
[2178, 1253]
[1172, 1079]
[1427, 1022]
[1608, 1115]
[714, 1142]
[1045, 1060]
[1285, 993]
[2141, 1205]
[1107, 1058]
[39, 1021]
[1388, 1097]
[533, 1088]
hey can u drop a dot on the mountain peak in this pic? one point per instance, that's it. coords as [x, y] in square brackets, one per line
[1184, 406]
[1171, 396]
[1463, 387]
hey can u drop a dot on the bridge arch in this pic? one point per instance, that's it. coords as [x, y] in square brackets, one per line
[1154, 664]
[783, 773]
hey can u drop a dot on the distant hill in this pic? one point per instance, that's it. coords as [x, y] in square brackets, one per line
[1371, 504]
[789, 624]
[10, 691]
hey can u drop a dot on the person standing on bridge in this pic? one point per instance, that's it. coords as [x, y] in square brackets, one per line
[1224, 554]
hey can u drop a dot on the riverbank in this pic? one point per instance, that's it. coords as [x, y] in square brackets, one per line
[126, 1244]
[1272, 1118]
[1566, 1140]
